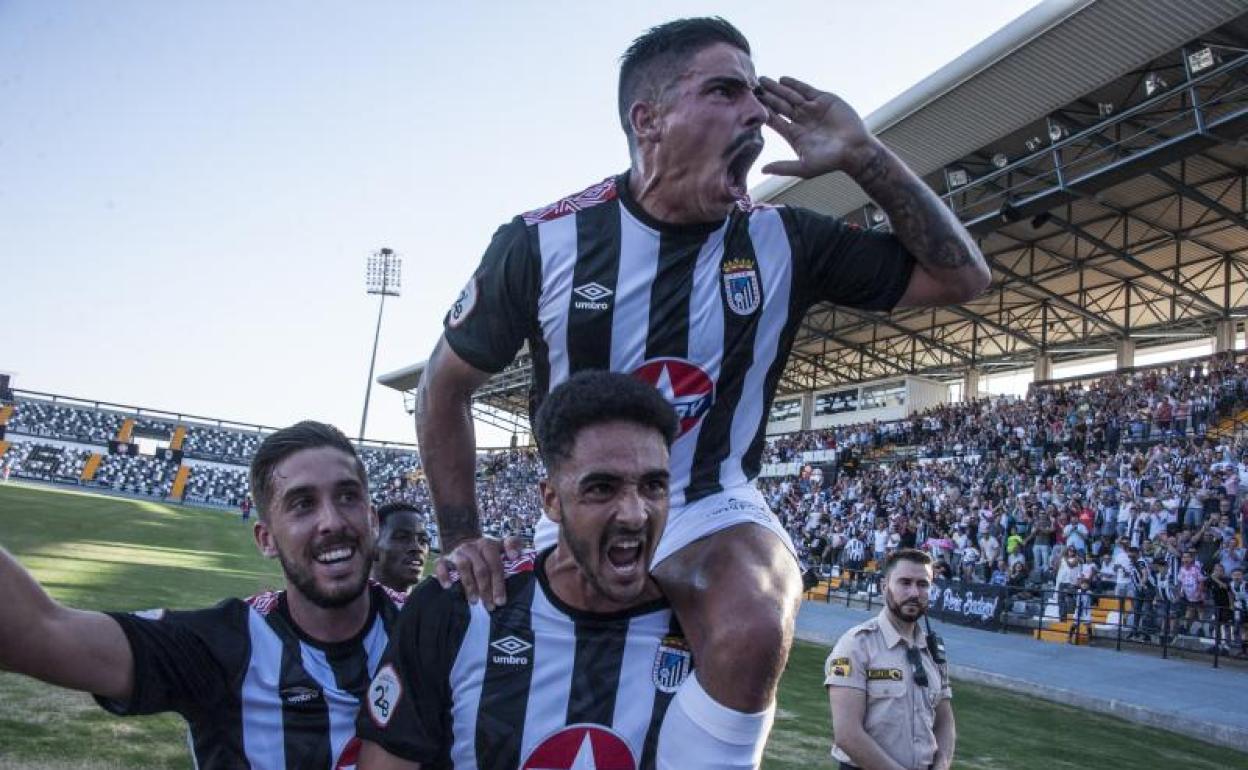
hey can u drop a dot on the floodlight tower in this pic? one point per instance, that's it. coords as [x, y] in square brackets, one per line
[384, 277]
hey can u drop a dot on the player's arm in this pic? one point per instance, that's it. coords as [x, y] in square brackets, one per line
[374, 757]
[828, 135]
[946, 734]
[71, 648]
[849, 707]
[448, 454]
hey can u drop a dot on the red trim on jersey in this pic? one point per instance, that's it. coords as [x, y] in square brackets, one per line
[523, 563]
[264, 603]
[394, 596]
[588, 198]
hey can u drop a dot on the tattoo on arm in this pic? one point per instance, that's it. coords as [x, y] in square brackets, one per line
[920, 220]
[457, 523]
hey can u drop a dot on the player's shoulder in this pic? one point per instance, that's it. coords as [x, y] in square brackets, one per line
[595, 195]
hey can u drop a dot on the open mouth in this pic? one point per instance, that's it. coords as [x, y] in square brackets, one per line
[335, 554]
[624, 554]
[739, 166]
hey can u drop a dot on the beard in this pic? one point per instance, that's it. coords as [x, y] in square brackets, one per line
[909, 612]
[301, 577]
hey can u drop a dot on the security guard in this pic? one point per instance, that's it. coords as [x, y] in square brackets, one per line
[888, 682]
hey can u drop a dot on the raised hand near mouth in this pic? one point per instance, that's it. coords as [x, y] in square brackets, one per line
[824, 131]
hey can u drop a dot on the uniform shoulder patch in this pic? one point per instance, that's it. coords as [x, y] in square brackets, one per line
[383, 695]
[838, 667]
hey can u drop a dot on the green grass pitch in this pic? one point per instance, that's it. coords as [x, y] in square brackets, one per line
[99, 552]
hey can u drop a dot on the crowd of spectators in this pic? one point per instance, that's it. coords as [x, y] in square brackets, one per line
[136, 475]
[1117, 487]
[216, 485]
[221, 444]
[60, 421]
[1132, 484]
[43, 462]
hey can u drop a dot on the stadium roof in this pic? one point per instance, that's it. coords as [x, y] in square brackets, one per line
[1094, 149]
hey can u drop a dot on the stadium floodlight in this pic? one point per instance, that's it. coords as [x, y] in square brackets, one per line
[878, 216]
[1201, 60]
[383, 276]
[1000, 160]
[1032, 144]
[1153, 83]
[1104, 109]
[1056, 131]
[956, 177]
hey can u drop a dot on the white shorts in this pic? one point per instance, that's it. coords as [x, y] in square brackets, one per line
[695, 521]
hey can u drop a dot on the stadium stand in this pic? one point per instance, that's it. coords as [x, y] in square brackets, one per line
[1111, 478]
[220, 444]
[69, 423]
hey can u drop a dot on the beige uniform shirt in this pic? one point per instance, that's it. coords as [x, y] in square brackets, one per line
[900, 714]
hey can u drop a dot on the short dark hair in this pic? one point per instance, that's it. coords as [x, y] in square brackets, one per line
[281, 444]
[657, 55]
[386, 510]
[905, 554]
[596, 397]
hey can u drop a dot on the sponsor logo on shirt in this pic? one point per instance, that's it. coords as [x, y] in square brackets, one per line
[383, 695]
[293, 696]
[511, 648]
[886, 674]
[156, 614]
[463, 304]
[592, 297]
[741, 286]
[685, 385]
[592, 747]
[672, 663]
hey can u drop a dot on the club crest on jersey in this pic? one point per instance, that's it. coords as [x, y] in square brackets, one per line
[581, 746]
[741, 286]
[672, 663]
[463, 304]
[685, 385]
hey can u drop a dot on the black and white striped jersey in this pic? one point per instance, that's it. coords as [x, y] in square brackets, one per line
[255, 691]
[707, 313]
[535, 684]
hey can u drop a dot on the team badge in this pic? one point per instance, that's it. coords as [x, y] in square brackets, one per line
[838, 667]
[464, 304]
[685, 386]
[581, 747]
[383, 695]
[672, 663]
[741, 286]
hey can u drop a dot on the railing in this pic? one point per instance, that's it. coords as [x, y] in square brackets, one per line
[1104, 618]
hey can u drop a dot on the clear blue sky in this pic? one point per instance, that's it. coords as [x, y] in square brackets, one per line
[189, 191]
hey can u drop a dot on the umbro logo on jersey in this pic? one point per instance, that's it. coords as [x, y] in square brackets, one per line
[293, 696]
[512, 648]
[593, 296]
